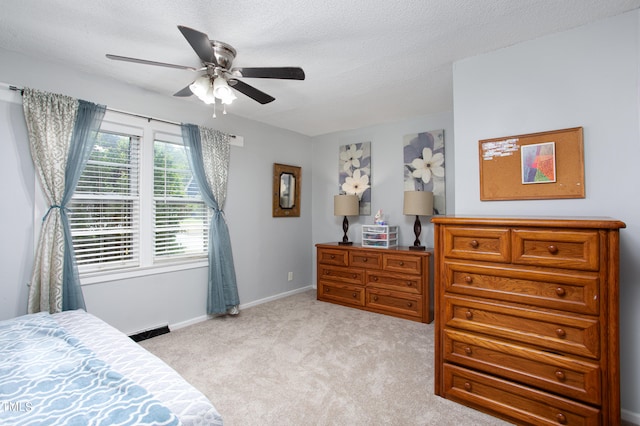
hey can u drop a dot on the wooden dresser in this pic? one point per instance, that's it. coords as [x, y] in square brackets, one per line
[392, 281]
[527, 318]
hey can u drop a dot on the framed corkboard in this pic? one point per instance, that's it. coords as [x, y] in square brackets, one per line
[536, 166]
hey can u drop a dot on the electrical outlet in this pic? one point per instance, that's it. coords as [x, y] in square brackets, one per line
[290, 276]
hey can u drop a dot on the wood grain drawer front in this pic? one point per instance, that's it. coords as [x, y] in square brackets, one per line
[575, 292]
[489, 244]
[397, 282]
[560, 249]
[363, 259]
[402, 263]
[344, 275]
[399, 303]
[557, 374]
[524, 405]
[342, 293]
[553, 331]
[333, 257]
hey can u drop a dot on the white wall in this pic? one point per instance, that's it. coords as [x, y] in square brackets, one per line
[584, 77]
[265, 248]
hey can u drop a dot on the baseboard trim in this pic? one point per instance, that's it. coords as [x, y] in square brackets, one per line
[202, 318]
[631, 417]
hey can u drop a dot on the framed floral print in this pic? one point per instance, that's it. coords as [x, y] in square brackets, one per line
[354, 176]
[424, 166]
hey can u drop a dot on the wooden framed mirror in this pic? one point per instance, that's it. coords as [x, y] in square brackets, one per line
[286, 190]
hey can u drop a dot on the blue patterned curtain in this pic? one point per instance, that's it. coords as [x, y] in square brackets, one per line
[208, 152]
[62, 132]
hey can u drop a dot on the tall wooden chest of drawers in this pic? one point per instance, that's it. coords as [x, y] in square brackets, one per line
[526, 324]
[393, 281]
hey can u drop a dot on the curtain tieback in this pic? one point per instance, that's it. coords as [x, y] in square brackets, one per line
[54, 206]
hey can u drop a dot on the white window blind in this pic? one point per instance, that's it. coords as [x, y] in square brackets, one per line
[181, 218]
[104, 212]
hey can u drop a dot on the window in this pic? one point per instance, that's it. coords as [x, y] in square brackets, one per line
[137, 205]
[180, 215]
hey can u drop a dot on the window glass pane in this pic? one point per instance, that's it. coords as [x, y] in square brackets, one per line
[104, 211]
[180, 216]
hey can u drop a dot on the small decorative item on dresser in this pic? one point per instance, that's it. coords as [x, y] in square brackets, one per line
[346, 205]
[418, 203]
[382, 236]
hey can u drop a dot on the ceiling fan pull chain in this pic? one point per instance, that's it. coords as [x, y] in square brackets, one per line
[224, 108]
[214, 109]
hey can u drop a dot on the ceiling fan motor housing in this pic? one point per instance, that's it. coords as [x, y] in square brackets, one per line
[224, 54]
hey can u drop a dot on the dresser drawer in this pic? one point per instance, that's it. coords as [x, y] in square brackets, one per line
[396, 302]
[341, 293]
[575, 292]
[343, 275]
[488, 244]
[524, 405]
[558, 374]
[364, 259]
[402, 263]
[572, 334]
[398, 282]
[557, 248]
[333, 257]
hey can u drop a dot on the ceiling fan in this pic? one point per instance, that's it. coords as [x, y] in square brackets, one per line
[217, 58]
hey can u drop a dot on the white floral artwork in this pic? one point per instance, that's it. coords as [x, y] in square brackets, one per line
[424, 166]
[355, 173]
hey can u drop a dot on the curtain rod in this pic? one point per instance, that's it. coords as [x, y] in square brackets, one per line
[132, 114]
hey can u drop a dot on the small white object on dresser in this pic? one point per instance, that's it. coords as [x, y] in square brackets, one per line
[382, 236]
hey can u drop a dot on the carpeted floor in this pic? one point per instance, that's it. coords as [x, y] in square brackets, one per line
[297, 361]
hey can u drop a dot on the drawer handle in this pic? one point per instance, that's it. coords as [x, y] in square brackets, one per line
[355, 276]
[467, 386]
[560, 291]
[375, 278]
[474, 243]
[409, 283]
[364, 259]
[467, 350]
[468, 279]
[552, 249]
[333, 256]
[409, 304]
[327, 289]
[401, 263]
[560, 375]
[355, 294]
[327, 272]
[562, 419]
[468, 314]
[561, 333]
[375, 298]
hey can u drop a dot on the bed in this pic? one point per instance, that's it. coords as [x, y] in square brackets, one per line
[72, 368]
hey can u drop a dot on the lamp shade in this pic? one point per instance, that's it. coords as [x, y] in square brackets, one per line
[418, 203]
[346, 205]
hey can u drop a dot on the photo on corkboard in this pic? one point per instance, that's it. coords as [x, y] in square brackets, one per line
[538, 163]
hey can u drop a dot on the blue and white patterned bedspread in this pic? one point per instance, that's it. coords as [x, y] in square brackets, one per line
[47, 377]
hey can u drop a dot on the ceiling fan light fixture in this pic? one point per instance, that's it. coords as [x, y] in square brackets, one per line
[222, 91]
[201, 86]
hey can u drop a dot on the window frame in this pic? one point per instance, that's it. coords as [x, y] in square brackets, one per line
[147, 131]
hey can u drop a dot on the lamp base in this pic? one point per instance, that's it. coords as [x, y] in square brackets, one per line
[417, 248]
[345, 243]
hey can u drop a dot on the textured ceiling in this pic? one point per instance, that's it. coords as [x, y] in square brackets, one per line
[366, 61]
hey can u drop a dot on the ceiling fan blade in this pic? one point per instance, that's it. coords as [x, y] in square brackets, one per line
[251, 92]
[288, 73]
[200, 43]
[184, 92]
[144, 61]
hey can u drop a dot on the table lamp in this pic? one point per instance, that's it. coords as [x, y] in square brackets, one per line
[346, 205]
[418, 203]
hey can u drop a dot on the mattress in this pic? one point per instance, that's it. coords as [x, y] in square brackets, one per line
[152, 380]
